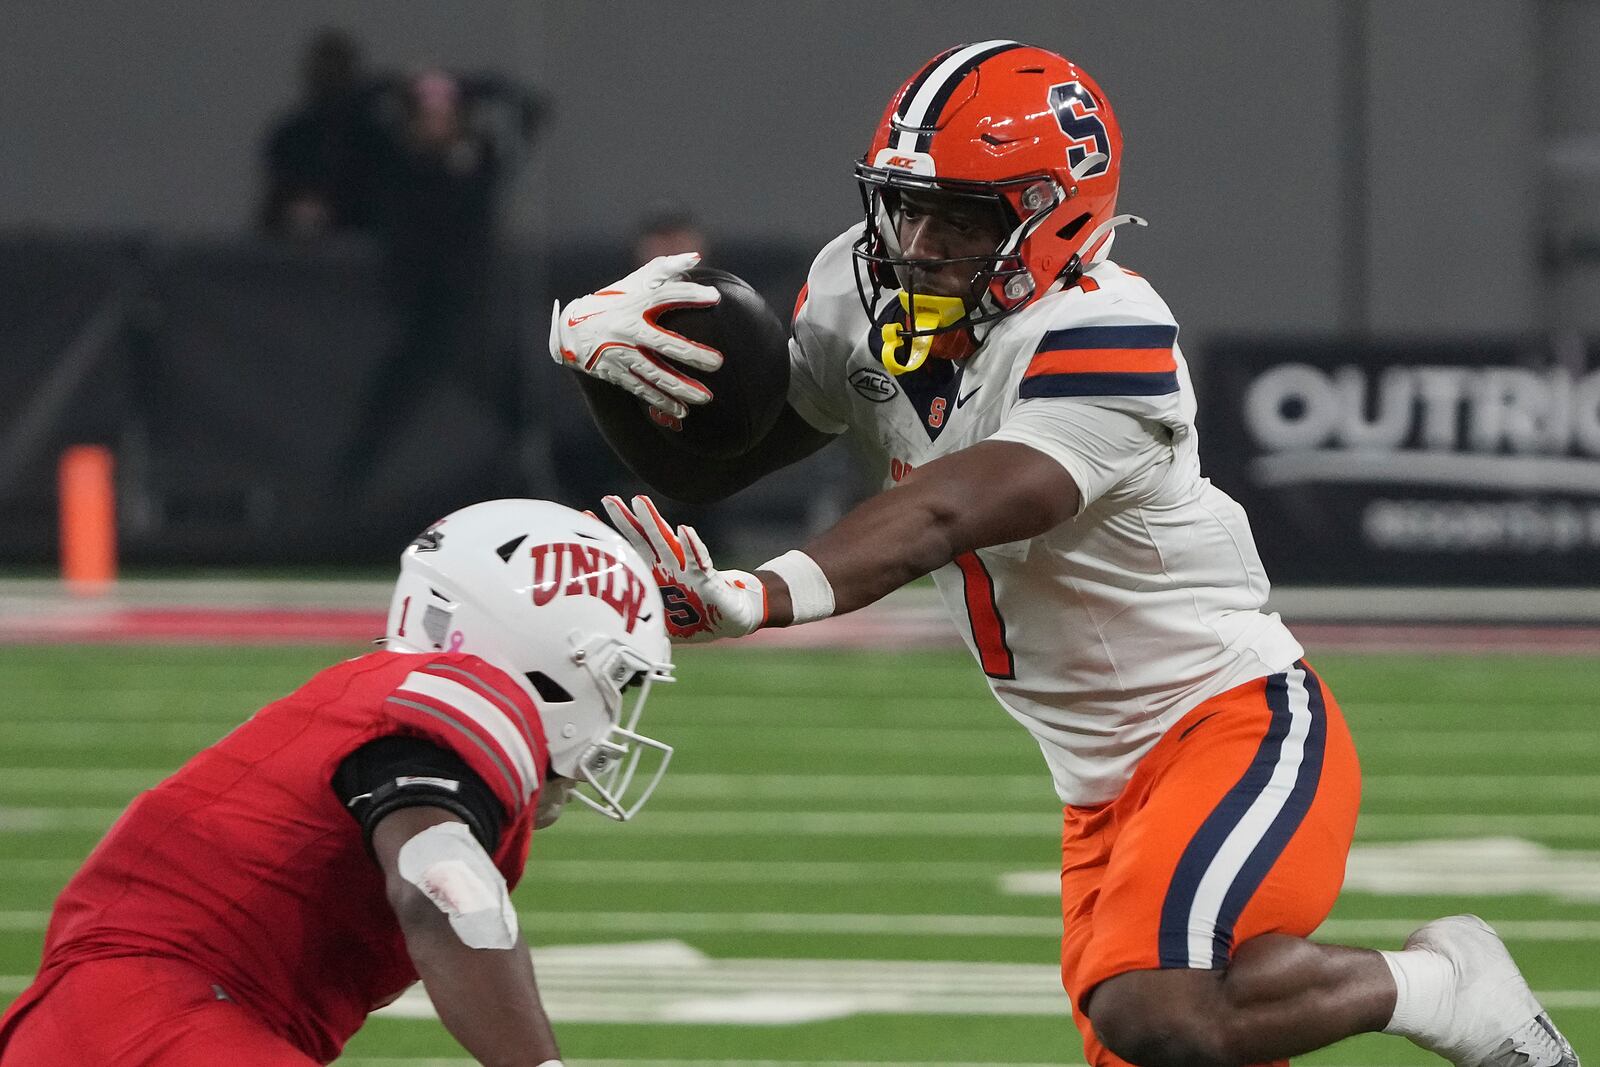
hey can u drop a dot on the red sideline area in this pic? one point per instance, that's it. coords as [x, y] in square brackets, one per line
[880, 627]
[193, 625]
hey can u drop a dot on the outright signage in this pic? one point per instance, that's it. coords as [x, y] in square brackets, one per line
[1397, 463]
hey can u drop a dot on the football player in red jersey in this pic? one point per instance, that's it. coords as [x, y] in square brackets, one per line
[1026, 404]
[365, 830]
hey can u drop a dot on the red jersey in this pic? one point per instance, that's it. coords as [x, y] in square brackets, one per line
[245, 864]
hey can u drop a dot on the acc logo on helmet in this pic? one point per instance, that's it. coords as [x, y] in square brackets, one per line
[905, 159]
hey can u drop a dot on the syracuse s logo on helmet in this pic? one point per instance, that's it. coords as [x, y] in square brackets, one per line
[1075, 110]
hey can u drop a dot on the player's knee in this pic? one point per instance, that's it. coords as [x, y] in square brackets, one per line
[1156, 1022]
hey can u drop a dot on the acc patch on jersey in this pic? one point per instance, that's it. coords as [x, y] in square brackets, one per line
[874, 384]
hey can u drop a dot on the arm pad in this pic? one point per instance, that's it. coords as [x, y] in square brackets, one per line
[451, 869]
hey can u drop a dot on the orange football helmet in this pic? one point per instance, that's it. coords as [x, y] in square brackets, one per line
[1019, 126]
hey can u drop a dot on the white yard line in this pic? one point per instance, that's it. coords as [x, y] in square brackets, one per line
[670, 872]
[364, 1061]
[361, 1061]
[34, 820]
[972, 790]
[80, 780]
[1446, 740]
[736, 822]
[1295, 602]
[1454, 866]
[677, 923]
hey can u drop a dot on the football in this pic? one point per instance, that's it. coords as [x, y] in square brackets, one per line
[749, 389]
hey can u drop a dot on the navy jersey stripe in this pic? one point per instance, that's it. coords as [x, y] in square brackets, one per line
[1081, 337]
[1129, 384]
[1173, 937]
[1290, 816]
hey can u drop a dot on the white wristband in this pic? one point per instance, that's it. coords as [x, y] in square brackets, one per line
[552, 1063]
[810, 595]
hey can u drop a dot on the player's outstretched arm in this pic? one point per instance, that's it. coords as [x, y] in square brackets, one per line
[988, 494]
[462, 937]
[991, 493]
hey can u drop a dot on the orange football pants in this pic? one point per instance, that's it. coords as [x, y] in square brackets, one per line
[137, 1011]
[1236, 823]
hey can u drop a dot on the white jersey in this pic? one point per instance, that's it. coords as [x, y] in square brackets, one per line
[1102, 632]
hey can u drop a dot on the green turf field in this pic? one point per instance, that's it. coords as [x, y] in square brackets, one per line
[831, 820]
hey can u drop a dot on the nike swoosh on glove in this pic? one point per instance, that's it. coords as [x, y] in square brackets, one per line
[703, 603]
[612, 335]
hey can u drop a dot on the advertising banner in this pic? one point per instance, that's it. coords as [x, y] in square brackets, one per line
[1468, 462]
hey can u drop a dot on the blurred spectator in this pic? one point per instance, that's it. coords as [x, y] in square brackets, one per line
[667, 230]
[447, 145]
[319, 157]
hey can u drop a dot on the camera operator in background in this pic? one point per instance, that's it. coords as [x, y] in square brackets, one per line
[447, 145]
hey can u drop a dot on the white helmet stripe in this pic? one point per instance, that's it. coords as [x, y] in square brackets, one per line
[936, 89]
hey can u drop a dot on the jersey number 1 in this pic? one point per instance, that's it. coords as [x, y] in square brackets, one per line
[988, 628]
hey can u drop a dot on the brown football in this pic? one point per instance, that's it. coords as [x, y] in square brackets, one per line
[749, 389]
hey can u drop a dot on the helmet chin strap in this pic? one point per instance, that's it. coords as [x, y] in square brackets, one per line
[926, 315]
[1105, 230]
[1089, 162]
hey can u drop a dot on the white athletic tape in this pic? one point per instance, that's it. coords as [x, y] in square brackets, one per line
[810, 594]
[451, 869]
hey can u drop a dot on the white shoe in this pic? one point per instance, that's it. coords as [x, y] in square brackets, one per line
[1493, 1020]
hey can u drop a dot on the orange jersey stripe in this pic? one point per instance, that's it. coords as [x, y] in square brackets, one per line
[1103, 361]
[988, 628]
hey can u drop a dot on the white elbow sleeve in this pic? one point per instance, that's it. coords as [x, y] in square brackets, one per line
[451, 869]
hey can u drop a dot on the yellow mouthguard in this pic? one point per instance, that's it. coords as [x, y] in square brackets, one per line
[927, 313]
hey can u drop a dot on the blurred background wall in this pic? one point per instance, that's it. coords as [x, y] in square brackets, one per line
[1350, 168]
[1321, 164]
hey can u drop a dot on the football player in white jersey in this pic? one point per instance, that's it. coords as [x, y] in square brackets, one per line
[1032, 421]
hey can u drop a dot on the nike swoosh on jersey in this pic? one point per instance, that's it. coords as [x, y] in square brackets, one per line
[960, 400]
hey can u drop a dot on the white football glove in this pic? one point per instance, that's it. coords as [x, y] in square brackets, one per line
[702, 603]
[612, 335]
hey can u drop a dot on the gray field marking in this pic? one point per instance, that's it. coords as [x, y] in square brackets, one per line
[679, 923]
[969, 788]
[40, 609]
[1046, 822]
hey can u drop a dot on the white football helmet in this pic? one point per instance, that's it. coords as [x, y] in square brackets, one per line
[560, 602]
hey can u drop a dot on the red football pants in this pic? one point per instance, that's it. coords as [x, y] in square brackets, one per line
[139, 1011]
[1236, 824]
